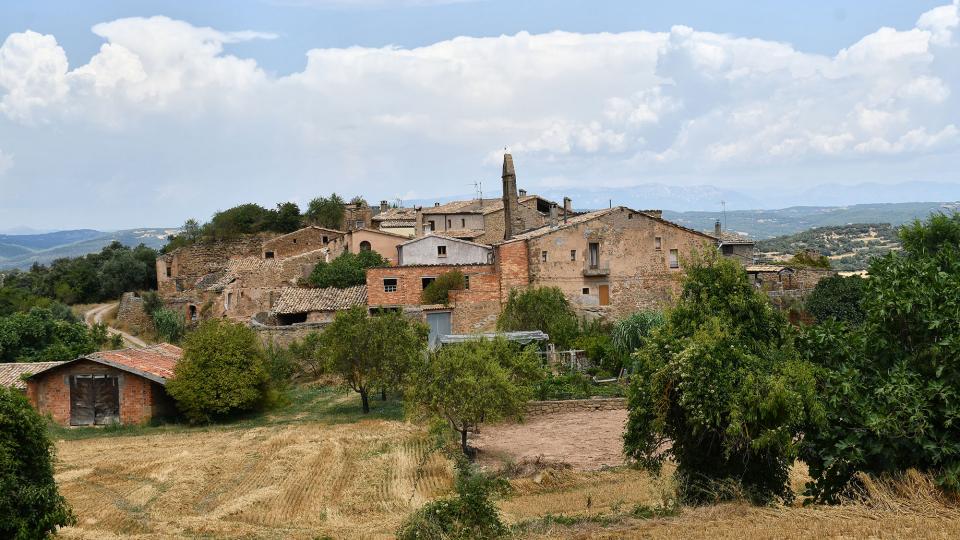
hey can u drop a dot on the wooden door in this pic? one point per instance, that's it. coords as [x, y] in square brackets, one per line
[81, 400]
[604, 291]
[106, 404]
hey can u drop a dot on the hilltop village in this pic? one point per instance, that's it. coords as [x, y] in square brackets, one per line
[608, 263]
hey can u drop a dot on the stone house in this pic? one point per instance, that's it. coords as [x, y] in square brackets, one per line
[441, 249]
[734, 245]
[383, 242]
[298, 242]
[125, 386]
[771, 277]
[300, 305]
[402, 221]
[357, 216]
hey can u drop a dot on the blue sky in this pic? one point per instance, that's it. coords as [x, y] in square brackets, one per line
[190, 107]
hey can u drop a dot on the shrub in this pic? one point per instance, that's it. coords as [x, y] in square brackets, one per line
[347, 270]
[30, 506]
[438, 292]
[809, 259]
[471, 514]
[541, 308]
[40, 335]
[222, 372]
[723, 383]
[631, 332]
[574, 386]
[151, 303]
[308, 355]
[466, 384]
[837, 297]
[280, 363]
[170, 325]
[891, 385]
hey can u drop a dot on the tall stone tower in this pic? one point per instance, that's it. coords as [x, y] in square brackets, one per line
[512, 220]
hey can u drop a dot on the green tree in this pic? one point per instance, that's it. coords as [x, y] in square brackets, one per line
[837, 297]
[891, 385]
[722, 383]
[469, 383]
[170, 325]
[541, 308]
[372, 352]
[326, 211]
[347, 270]
[30, 505]
[222, 372]
[285, 219]
[42, 335]
[243, 219]
[308, 355]
[438, 292]
[809, 259]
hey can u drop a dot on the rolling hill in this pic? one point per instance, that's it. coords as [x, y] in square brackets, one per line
[22, 250]
[849, 247]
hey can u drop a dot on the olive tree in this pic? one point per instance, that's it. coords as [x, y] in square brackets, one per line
[30, 505]
[466, 384]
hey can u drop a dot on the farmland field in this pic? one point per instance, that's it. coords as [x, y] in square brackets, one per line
[319, 468]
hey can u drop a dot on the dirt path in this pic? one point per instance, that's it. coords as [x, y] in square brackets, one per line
[95, 315]
[584, 440]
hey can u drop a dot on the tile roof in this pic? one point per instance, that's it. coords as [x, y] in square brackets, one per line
[398, 224]
[302, 300]
[10, 374]
[733, 238]
[570, 222]
[464, 233]
[155, 363]
[475, 206]
[446, 236]
[397, 214]
[753, 268]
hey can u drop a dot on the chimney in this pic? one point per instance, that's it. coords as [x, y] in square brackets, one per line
[436, 204]
[512, 222]
[523, 192]
[554, 211]
[717, 229]
[384, 206]
[567, 208]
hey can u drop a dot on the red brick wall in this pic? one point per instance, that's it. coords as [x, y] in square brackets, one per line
[140, 398]
[513, 266]
[409, 285]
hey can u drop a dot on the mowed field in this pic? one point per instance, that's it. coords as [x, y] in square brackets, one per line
[320, 469]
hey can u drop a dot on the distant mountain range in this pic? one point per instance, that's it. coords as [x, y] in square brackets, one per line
[22, 250]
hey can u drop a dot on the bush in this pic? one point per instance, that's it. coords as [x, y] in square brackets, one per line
[471, 514]
[438, 292]
[809, 259]
[891, 385]
[308, 355]
[280, 363]
[30, 505]
[40, 335]
[170, 325]
[347, 270]
[631, 332]
[541, 308]
[575, 386]
[837, 297]
[222, 372]
[723, 383]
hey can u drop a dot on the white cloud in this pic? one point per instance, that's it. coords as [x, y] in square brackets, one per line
[161, 104]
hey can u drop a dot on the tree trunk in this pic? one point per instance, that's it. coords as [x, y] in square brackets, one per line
[463, 442]
[383, 394]
[366, 400]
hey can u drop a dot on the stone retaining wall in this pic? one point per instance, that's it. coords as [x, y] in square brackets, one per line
[537, 408]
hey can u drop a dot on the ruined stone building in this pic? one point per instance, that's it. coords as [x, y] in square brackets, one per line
[357, 216]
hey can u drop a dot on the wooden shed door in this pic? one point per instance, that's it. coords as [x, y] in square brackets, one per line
[604, 291]
[94, 399]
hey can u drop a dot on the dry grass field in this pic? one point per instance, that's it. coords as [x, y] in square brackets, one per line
[320, 469]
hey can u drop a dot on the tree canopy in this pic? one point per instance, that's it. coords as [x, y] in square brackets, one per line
[30, 505]
[42, 335]
[540, 308]
[347, 270]
[837, 297]
[326, 211]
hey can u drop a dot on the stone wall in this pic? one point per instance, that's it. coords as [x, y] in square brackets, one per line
[180, 269]
[131, 314]
[300, 241]
[539, 408]
[285, 335]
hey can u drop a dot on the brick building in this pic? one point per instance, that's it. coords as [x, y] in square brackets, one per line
[125, 386]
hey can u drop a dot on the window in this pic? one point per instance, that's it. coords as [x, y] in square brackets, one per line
[674, 259]
[268, 255]
[325, 240]
[594, 255]
[463, 223]
[441, 251]
[466, 282]
[543, 256]
[425, 282]
[358, 224]
[364, 246]
[294, 240]
[193, 312]
[573, 254]
[657, 243]
[389, 284]
[169, 270]
[229, 300]
[449, 224]
[432, 224]
[727, 249]
[586, 290]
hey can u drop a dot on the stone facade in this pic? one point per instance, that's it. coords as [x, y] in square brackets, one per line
[357, 216]
[539, 408]
[179, 270]
[299, 242]
[140, 399]
[131, 313]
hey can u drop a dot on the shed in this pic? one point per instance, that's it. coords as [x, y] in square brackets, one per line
[125, 386]
[302, 305]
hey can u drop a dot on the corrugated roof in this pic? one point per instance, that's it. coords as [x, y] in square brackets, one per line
[302, 300]
[10, 374]
[155, 362]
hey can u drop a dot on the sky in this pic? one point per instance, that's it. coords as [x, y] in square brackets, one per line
[123, 114]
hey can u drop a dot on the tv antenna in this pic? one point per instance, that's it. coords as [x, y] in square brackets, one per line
[478, 189]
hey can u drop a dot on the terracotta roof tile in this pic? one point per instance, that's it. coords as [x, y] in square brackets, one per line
[302, 300]
[156, 362]
[10, 373]
[397, 214]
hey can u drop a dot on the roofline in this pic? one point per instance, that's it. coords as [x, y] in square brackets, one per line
[122, 367]
[457, 265]
[377, 231]
[304, 228]
[447, 237]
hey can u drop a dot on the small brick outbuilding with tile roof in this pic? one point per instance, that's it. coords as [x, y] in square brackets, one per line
[126, 386]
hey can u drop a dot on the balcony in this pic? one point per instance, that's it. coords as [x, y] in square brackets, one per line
[599, 269]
